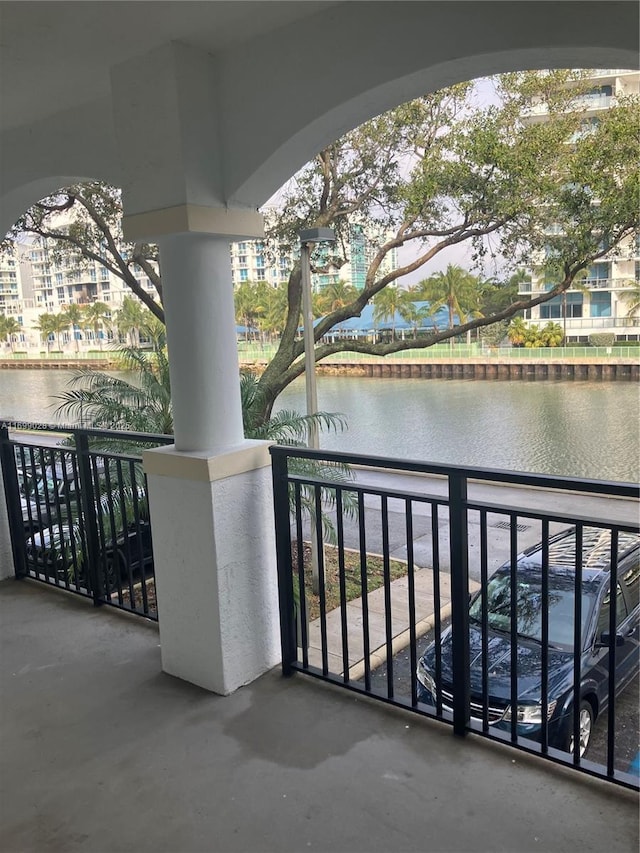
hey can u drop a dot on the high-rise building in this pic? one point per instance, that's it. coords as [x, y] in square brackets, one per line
[252, 261]
[600, 302]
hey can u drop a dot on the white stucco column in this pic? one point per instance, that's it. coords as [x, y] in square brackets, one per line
[201, 337]
[210, 494]
[214, 556]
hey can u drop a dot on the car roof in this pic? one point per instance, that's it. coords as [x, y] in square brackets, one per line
[596, 552]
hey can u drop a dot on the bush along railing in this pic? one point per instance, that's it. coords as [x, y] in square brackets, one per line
[480, 598]
[78, 513]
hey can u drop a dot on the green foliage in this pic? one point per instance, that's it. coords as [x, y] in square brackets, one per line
[532, 337]
[632, 297]
[456, 289]
[602, 339]
[494, 335]
[391, 301]
[9, 330]
[517, 332]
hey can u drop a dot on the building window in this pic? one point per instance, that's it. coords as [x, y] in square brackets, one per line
[601, 304]
[59, 278]
[244, 275]
[554, 308]
[598, 273]
[104, 274]
[261, 275]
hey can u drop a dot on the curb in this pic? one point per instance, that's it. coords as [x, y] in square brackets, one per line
[399, 642]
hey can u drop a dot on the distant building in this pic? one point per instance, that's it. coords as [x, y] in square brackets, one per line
[600, 302]
[251, 260]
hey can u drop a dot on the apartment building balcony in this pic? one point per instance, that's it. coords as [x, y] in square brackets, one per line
[616, 283]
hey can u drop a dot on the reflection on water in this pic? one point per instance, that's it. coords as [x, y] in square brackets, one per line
[580, 429]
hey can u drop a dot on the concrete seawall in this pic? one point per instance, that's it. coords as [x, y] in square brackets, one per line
[613, 370]
[496, 370]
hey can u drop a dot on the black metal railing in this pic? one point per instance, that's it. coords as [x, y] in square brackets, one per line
[78, 512]
[501, 619]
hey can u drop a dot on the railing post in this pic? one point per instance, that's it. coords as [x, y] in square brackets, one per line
[14, 507]
[89, 510]
[459, 552]
[283, 556]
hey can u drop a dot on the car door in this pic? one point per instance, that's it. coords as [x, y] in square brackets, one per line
[629, 575]
[625, 653]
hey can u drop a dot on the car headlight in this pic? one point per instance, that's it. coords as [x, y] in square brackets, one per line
[530, 713]
[425, 678]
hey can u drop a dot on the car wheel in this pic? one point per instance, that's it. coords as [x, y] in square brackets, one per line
[115, 571]
[586, 720]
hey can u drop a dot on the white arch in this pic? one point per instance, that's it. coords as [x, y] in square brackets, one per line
[283, 94]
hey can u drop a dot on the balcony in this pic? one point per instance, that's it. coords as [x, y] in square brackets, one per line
[120, 756]
[115, 755]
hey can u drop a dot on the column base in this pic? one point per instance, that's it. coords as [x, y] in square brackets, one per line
[215, 563]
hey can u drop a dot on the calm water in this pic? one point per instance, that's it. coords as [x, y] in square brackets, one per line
[582, 429]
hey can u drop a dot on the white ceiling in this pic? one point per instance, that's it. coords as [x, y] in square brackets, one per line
[56, 55]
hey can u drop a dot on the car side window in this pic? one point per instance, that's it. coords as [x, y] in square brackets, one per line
[631, 581]
[621, 610]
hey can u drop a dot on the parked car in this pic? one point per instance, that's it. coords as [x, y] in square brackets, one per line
[594, 650]
[46, 499]
[50, 552]
[50, 491]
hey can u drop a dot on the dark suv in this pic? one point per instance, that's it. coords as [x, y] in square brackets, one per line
[594, 651]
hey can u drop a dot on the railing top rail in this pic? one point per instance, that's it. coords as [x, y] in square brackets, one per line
[366, 489]
[494, 475]
[141, 437]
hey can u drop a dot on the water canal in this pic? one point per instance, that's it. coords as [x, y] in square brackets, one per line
[581, 429]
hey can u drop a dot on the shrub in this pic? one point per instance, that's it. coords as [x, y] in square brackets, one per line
[602, 339]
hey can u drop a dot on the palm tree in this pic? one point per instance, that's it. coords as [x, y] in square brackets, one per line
[96, 316]
[111, 402]
[517, 332]
[144, 405]
[45, 326]
[9, 328]
[245, 300]
[456, 289]
[552, 335]
[386, 305]
[336, 295]
[129, 319]
[75, 316]
[632, 296]
[59, 323]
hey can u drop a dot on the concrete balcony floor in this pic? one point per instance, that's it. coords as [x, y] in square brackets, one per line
[103, 752]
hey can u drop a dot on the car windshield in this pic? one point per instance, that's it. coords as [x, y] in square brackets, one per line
[529, 605]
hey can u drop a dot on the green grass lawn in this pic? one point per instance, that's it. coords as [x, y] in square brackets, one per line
[353, 584]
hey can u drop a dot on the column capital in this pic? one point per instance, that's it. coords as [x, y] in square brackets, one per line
[233, 223]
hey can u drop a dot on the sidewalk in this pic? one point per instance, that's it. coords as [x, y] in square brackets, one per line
[424, 618]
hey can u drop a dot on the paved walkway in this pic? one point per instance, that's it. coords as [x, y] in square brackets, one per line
[424, 620]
